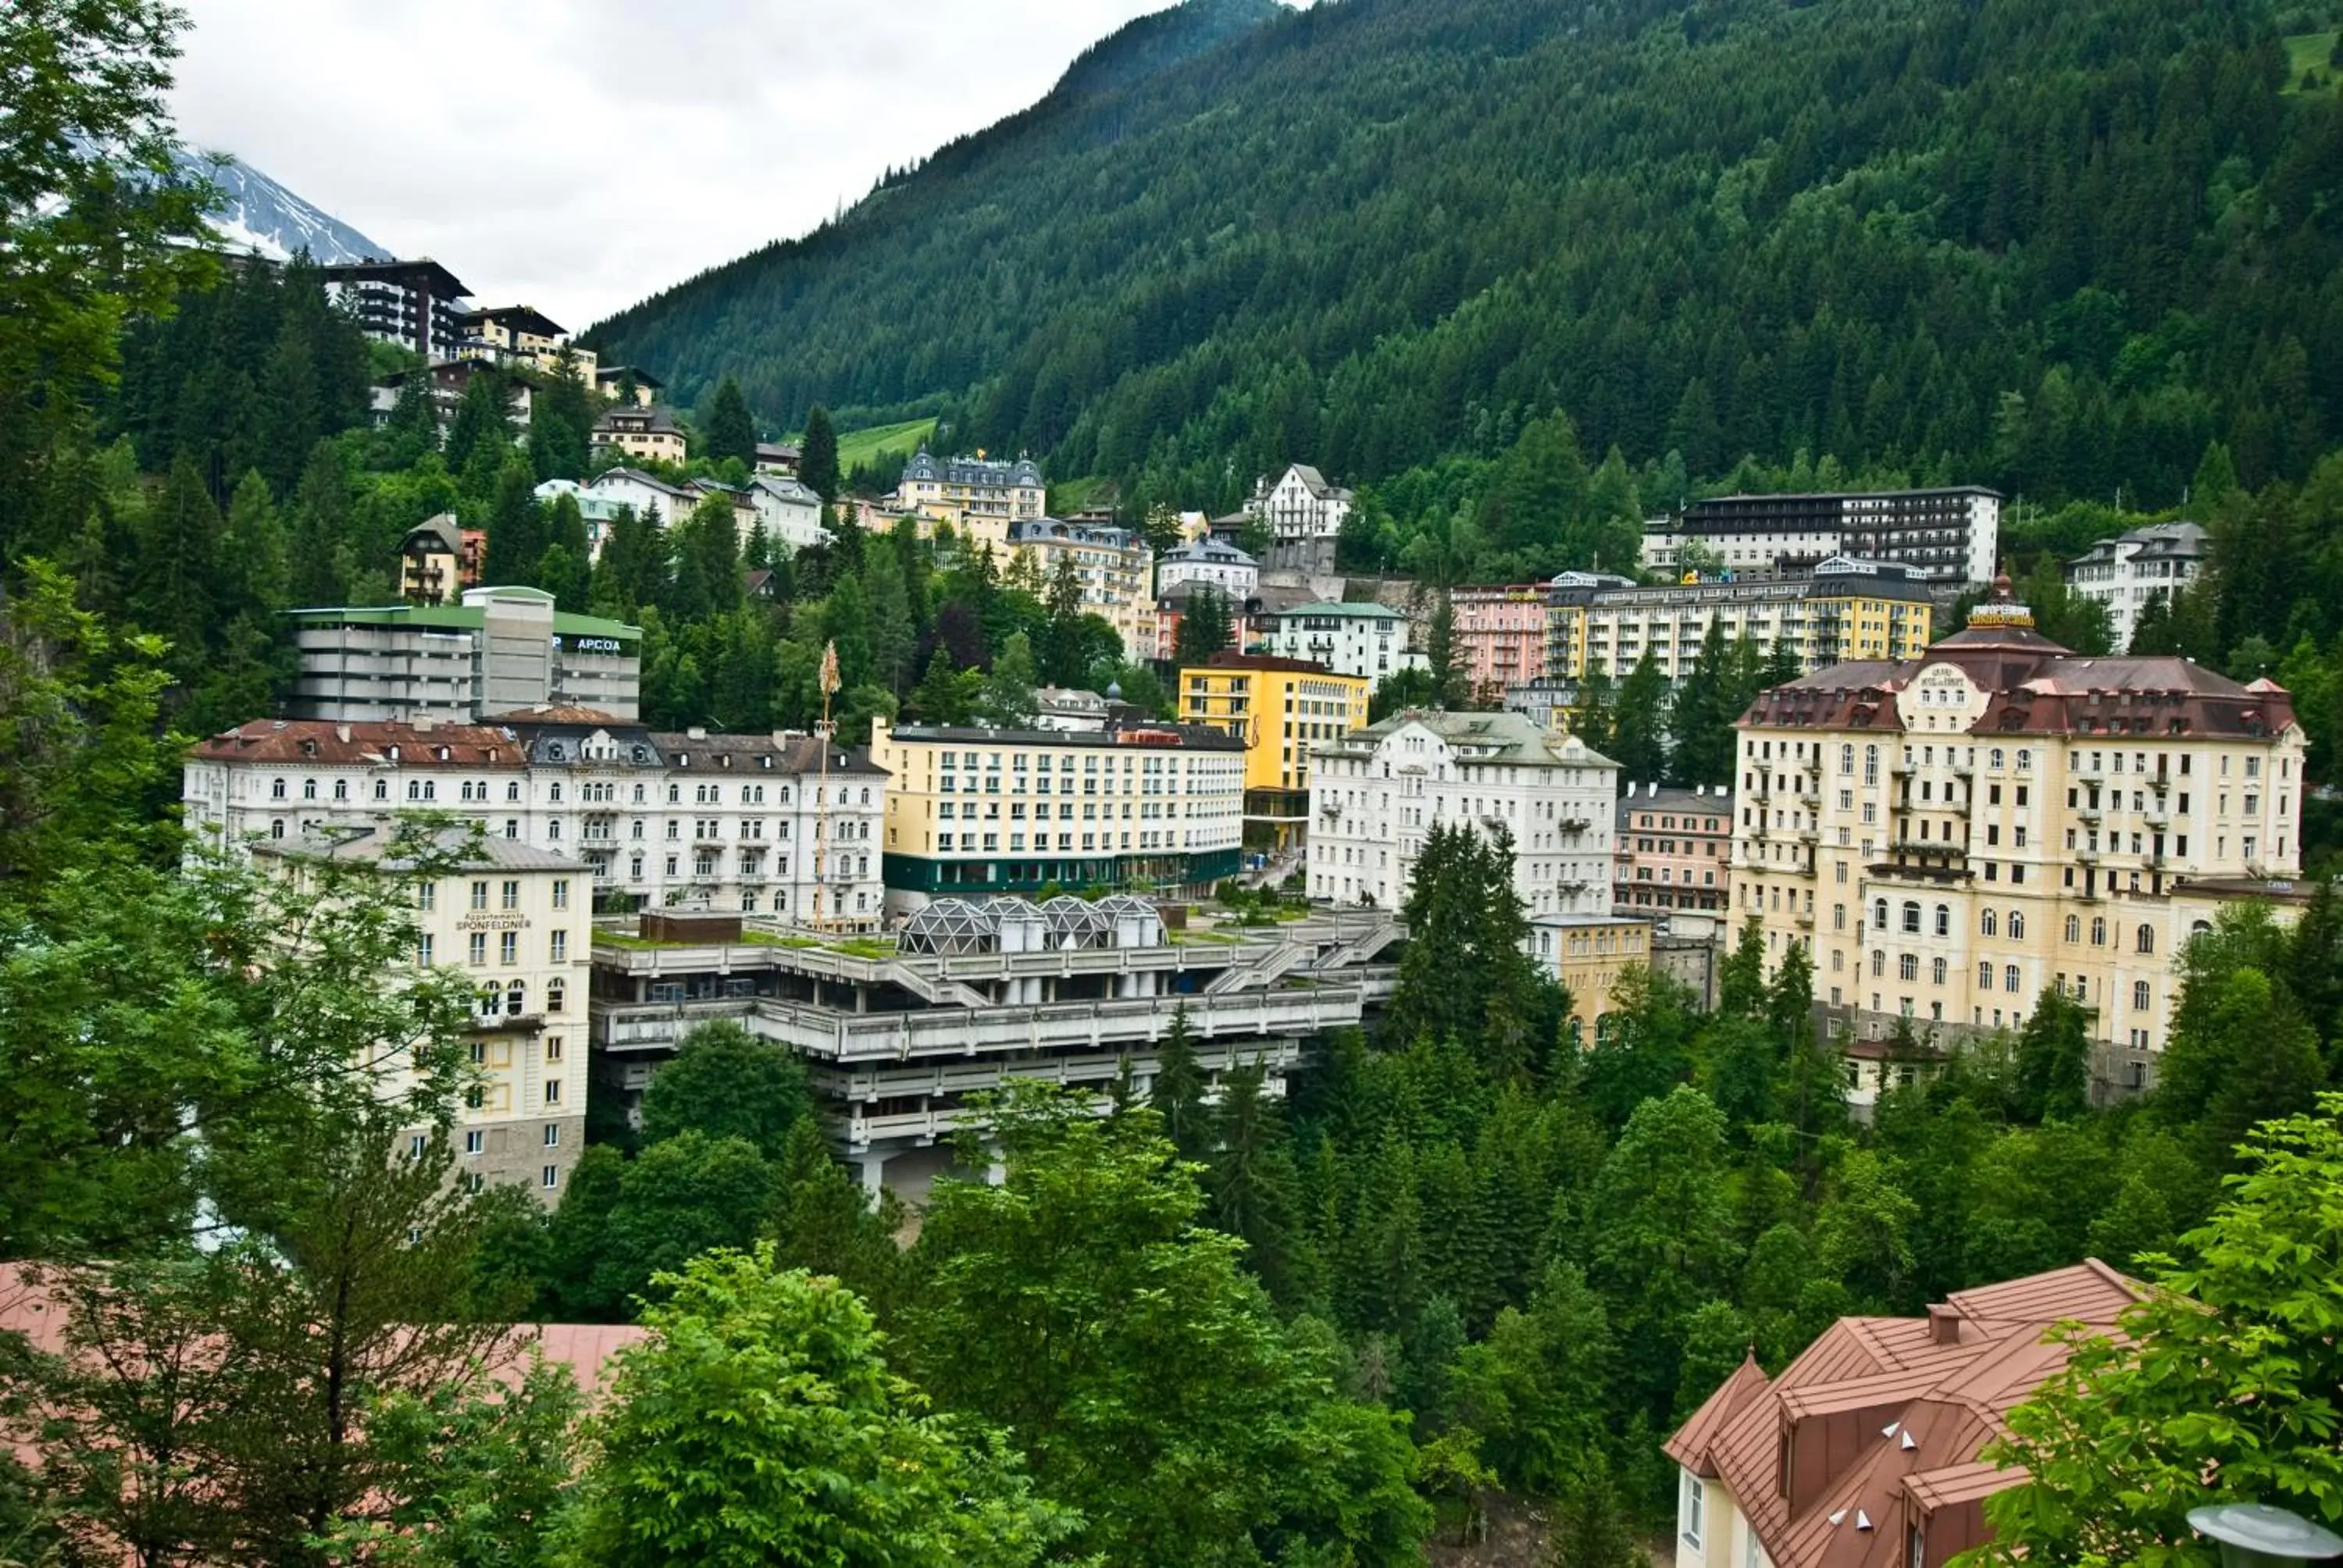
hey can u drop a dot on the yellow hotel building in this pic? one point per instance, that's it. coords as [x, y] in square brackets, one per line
[1953, 834]
[1844, 609]
[1280, 708]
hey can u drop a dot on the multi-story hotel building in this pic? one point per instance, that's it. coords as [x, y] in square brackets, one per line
[1674, 851]
[1866, 1451]
[1949, 536]
[501, 649]
[1370, 640]
[2126, 572]
[1304, 516]
[1499, 635]
[638, 431]
[523, 334]
[1213, 563]
[1375, 793]
[1954, 834]
[979, 497]
[973, 812]
[1114, 567]
[1280, 708]
[1843, 610]
[411, 303]
[517, 922]
[658, 819]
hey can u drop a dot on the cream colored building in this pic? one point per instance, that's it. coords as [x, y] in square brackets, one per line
[979, 497]
[1956, 833]
[1843, 609]
[1114, 566]
[517, 923]
[1588, 954]
[522, 334]
[974, 812]
[640, 433]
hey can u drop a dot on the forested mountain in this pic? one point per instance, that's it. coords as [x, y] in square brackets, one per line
[2058, 248]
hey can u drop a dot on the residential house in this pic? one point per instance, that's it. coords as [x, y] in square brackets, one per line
[1673, 849]
[1304, 514]
[2124, 573]
[1368, 640]
[790, 512]
[1113, 565]
[1211, 563]
[612, 381]
[638, 433]
[520, 335]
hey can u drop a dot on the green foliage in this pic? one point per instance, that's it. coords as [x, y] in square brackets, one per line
[2222, 1389]
[724, 1082]
[818, 455]
[726, 430]
[760, 1424]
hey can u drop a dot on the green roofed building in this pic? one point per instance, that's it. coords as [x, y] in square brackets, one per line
[500, 649]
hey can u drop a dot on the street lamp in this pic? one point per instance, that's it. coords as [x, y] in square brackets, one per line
[2258, 1535]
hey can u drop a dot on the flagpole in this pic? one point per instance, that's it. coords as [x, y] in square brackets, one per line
[821, 794]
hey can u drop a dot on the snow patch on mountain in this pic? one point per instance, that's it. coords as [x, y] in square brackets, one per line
[256, 214]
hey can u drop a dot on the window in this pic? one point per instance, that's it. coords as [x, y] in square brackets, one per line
[1985, 975]
[480, 895]
[1912, 917]
[2016, 926]
[1879, 914]
[426, 895]
[1907, 967]
[1936, 971]
[509, 948]
[417, 1142]
[2009, 980]
[2145, 940]
[1688, 1507]
[553, 1091]
[1878, 963]
[477, 953]
[553, 1135]
[553, 1043]
[277, 789]
[423, 946]
[475, 1141]
[561, 954]
[1944, 920]
[1987, 923]
[2140, 996]
[552, 1175]
[561, 893]
[2074, 928]
[556, 992]
[511, 895]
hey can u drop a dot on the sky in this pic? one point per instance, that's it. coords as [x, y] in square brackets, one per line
[579, 154]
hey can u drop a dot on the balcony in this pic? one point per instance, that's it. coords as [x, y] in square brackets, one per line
[1810, 796]
[2158, 817]
[1964, 769]
[1806, 918]
[2161, 783]
[2088, 814]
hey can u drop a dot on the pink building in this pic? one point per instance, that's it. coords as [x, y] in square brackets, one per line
[1500, 635]
[1671, 850]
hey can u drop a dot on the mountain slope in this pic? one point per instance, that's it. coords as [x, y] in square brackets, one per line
[256, 214]
[2058, 248]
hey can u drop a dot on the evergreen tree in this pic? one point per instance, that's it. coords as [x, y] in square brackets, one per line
[1639, 740]
[1177, 1094]
[944, 695]
[1203, 627]
[483, 420]
[517, 531]
[176, 581]
[707, 579]
[2054, 1060]
[1007, 696]
[892, 636]
[321, 528]
[727, 430]
[818, 455]
[1596, 711]
[561, 421]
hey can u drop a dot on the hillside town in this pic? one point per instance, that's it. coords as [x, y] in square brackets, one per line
[1086, 956]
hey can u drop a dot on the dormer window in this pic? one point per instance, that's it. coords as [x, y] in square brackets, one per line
[553, 752]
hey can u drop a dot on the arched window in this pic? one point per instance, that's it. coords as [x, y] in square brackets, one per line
[1878, 963]
[2140, 996]
[1936, 971]
[516, 998]
[1907, 967]
[1847, 759]
[2025, 758]
[1944, 920]
[1988, 924]
[341, 789]
[1985, 975]
[1879, 914]
[1911, 916]
[865, 797]
[308, 788]
[1997, 757]
[491, 1000]
[557, 793]
[2016, 926]
[2009, 980]
[2074, 928]
[512, 788]
[415, 788]
[2145, 940]
[2198, 927]
[2099, 931]
[276, 829]
[382, 789]
[277, 789]
[556, 993]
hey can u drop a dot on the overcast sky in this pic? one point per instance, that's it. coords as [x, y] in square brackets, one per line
[577, 155]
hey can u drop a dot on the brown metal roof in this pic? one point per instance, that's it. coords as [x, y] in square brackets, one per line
[1882, 1418]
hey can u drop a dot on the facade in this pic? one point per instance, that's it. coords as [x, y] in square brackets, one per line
[1068, 708]
[972, 995]
[611, 381]
[1588, 954]
[790, 512]
[1949, 536]
[2126, 572]
[1953, 834]
[521, 334]
[979, 497]
[1375, 793]
[500, 648]
[975, 812]
[1247, 621]
[651, 496]
[1282, 710]
[1304, 514]
[640, 432]
[598, 508]
[1866, 1450]
[448, 380]
[1841, 609]
[1499, 635]
[1674, 851]
[778, 459]
[433, 563]
[1114, 566]
[517, 922]
[1368, 640]
[1212, 562]
[655, 819]
[413, 303]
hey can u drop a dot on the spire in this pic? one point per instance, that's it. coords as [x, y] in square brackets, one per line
[1999, 607]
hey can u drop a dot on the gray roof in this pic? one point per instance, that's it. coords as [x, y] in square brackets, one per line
[658, 417]
[1187, 736]
[925, 465]
[440, 529]
[1208, 550]
[1503, 737]
[786, 489]
[1104, 535]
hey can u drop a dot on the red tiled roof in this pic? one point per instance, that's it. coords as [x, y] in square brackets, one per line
[1882, 1419]
[317, 740]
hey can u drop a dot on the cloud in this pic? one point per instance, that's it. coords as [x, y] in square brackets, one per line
[578, 156]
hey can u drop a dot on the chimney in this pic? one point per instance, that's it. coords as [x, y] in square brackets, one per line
[342, 733]
[1944, 1323]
